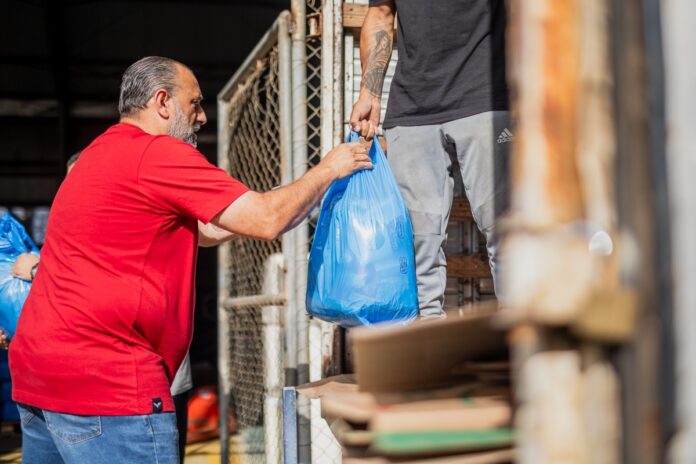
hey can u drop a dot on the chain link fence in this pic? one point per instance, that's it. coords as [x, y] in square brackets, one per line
[314, 115]
[286, 106]
[263, 325]
[252, 298]
[325, 449]
[254, 159]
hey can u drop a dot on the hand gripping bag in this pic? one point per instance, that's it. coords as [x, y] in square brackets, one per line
[14, 241]
[361, 265]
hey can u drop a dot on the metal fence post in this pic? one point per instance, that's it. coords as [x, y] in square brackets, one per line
[223, 317]
[290, 447]
[331, 74]
[325, 448]
[299, 159]
[680, 74]
[255, 146]
[286, 148]
[273, 355]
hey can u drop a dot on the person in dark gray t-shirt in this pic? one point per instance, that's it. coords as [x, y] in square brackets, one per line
[448, 100]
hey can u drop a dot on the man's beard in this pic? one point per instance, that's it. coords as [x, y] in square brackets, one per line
[181, 129]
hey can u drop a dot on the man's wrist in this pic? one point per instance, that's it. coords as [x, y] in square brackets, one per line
[332, 172]
[367, 93]
[325, 170]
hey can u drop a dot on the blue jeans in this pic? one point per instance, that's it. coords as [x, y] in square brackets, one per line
[55, 438]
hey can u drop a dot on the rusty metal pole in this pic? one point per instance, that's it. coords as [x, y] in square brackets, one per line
[561, 267]
[546, 197]
[547, 200]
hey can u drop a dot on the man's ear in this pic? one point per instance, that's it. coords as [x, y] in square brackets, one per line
[161, 98]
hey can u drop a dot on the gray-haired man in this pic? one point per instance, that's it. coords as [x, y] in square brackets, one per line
[109, 317]
[448, 100]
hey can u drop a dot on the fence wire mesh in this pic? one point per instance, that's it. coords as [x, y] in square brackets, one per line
[325, 449]
[254, 155]
[313, 90]
[313, 51]
[255, 159]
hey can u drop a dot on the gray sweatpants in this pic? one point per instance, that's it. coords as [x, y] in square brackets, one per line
[421, 160]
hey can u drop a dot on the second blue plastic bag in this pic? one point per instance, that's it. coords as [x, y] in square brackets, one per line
[14, 240]
[361, 266]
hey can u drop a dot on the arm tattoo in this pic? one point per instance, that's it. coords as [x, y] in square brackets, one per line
[377, 62]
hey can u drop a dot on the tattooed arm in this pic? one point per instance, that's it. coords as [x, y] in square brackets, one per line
[376, 40]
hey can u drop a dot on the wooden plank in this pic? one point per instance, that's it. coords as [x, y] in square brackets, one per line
[354, 15]
[461, 210]
[414, 443]
[447, 409]
[343, 383]
[468, 266]
[481, 457]
[348, 435]
[443, 415]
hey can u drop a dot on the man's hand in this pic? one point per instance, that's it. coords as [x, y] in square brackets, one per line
[23, 264]
[364, 119]
[4, 339]
[347, 158]
[376, 39]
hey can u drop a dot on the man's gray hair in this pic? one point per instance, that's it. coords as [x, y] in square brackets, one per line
[142, 79]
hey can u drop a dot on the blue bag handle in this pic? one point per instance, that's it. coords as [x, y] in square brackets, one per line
[352, 136]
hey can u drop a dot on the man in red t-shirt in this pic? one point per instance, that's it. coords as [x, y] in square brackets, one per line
[109, 316]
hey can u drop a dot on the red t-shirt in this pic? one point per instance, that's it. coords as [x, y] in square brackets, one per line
[109, 316]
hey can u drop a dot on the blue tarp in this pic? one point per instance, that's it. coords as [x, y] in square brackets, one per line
[14, 241]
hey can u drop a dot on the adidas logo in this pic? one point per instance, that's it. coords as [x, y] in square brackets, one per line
[505, 136]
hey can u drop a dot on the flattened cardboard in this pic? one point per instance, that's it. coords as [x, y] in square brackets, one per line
[424, 354]
[361, 407]
[344, 383]
[443, 415]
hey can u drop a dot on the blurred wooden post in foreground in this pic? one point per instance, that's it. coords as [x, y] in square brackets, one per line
[564, 294]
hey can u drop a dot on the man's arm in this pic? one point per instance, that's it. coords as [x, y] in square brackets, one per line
[268, 215]
[376, 39]
[210, 235]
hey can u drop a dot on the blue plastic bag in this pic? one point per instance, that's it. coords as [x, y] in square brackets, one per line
[361, 266]
[14, 241]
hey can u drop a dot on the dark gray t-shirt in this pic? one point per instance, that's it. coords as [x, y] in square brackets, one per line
[451, 61]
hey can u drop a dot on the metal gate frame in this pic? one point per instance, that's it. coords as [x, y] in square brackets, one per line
[296, 350]
[276, 297]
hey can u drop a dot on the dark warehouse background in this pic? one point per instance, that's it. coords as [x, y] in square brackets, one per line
[60, 69]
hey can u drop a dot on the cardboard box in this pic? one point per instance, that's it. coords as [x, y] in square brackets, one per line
[424, 354]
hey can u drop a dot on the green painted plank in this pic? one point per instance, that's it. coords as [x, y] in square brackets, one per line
[436, 441]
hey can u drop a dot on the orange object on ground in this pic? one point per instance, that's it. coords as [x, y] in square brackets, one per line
[203, 416]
